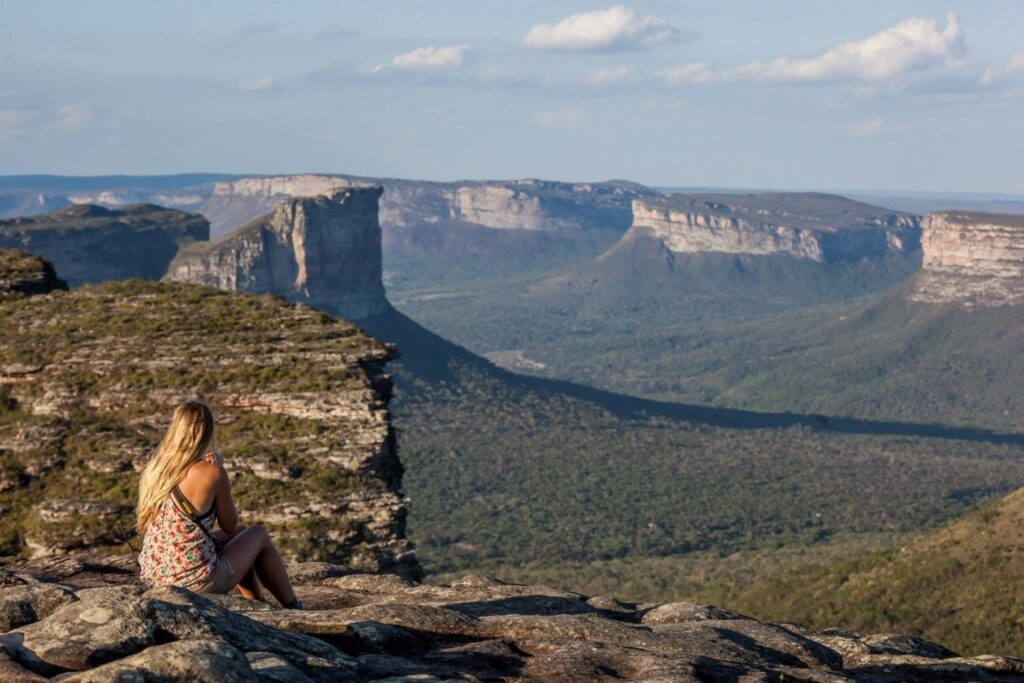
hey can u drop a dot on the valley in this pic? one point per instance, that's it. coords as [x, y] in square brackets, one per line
[682, 423]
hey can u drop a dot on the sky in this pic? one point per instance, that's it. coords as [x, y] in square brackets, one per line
[800, 94]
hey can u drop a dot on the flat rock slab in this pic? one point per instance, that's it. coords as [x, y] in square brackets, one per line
[366, 627]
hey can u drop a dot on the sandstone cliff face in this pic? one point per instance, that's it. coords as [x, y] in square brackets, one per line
[408, 205]
[88, 380]
[88, 243]
[817, 227]
[324, 251]
[973, 259]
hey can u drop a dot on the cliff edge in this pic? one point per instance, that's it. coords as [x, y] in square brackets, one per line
[324, 251]
[971, 259]
[88, 380]
[818, 227]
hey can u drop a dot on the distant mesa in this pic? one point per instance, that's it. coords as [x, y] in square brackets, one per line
[462, 217]
[88, 243]
[972, 259]
[324, 251]
[819, 227]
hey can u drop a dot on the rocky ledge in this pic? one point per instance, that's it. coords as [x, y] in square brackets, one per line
[22, 273]
[85, 619]
[973, 259]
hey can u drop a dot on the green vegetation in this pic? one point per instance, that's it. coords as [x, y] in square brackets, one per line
[505, 471]
[758, 333]
[959, 585]
[91, 376]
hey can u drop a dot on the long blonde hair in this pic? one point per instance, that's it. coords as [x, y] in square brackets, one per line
[186, 441]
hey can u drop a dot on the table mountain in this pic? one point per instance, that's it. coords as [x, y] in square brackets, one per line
[88, 243]
[971, 258]
[324, 251]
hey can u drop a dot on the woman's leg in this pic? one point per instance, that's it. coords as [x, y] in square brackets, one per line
[251, 549]
[248, 586]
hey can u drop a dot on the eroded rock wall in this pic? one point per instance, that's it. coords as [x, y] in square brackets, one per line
[974, 259]
[324, 251]
[817, 227]
[409, 205]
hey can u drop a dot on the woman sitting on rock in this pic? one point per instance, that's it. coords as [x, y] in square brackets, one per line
[183, 489]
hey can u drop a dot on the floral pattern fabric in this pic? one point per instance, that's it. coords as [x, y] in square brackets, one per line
[175, 551]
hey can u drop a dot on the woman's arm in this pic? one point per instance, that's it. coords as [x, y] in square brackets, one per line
[227, 513]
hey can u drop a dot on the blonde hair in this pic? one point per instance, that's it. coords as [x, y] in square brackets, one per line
[186, 441]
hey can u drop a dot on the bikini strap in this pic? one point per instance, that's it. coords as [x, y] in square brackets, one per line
[190, 512]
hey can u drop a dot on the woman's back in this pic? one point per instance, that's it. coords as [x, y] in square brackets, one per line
[175, 551]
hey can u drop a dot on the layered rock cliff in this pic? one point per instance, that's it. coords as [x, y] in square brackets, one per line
[818, 227]
[973, 259]
[408, 205]
[88, 380]
[324, 251]
[88, 243]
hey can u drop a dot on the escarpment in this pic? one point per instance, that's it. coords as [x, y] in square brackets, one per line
[971, 259]
[89, 377]
[88, 243]
[817, 227]
[434, 217]
[324, 251]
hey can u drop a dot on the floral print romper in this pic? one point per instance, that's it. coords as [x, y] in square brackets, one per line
[175, 551]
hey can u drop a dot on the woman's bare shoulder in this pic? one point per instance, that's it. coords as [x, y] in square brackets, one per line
[204, 473]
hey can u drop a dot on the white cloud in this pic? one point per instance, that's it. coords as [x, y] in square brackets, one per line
[693, 73]
[1014, 68]
[429, 58]
[72, 117]
[258, 85]
[610, 75]
[916, 43]
[561, 117]
[615, 28]
[875, 126]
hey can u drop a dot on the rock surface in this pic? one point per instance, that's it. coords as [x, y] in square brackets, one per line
[324, 251]
[819, 227]
[369, 627]
[88, 380]
[973, 259]
[23, 273]
[88, 243]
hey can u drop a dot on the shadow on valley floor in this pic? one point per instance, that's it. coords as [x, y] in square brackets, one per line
[433, 359]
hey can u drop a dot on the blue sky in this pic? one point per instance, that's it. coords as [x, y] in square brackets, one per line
[804, 94]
